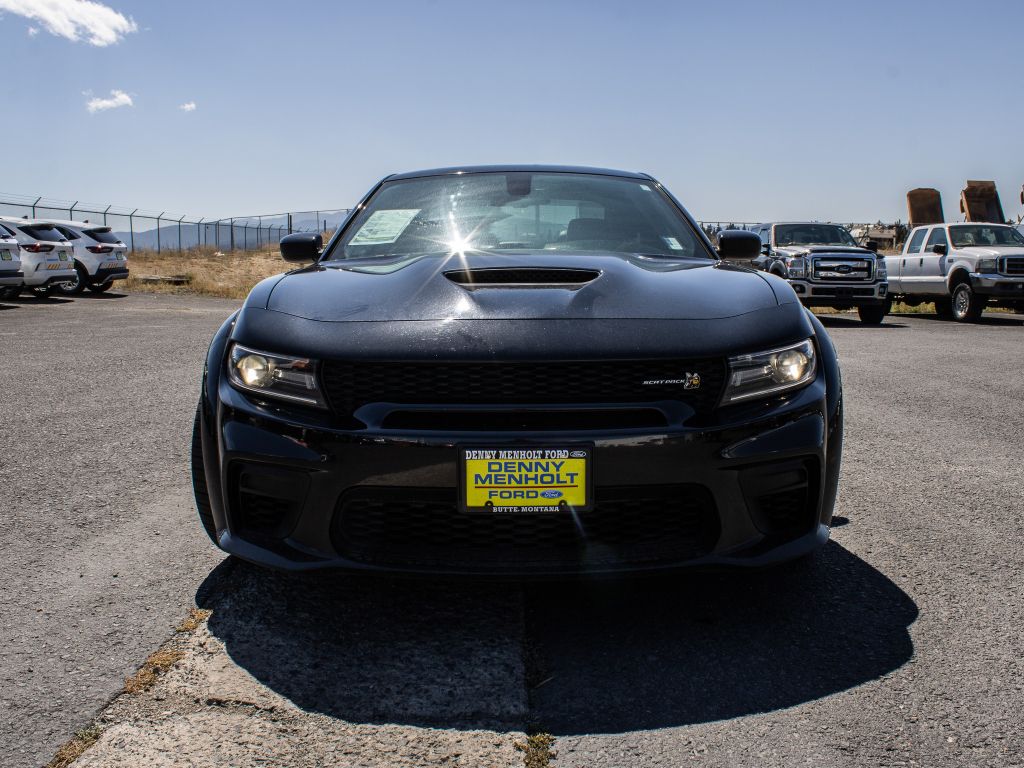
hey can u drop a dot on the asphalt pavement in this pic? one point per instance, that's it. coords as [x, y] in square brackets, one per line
[899, 644]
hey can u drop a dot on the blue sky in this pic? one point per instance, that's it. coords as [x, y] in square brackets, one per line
[748, 111]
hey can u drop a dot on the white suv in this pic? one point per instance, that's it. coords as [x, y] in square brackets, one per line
[46, 257]
[100, 257]
[11, 276]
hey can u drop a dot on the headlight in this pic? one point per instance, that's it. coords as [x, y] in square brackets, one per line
[770, 373]
[797, 267]
[881, 271]
[278, 376]
[988, 266]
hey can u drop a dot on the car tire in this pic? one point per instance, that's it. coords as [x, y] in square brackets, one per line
[199, 487]
[944, 308]
[78, 285]
[873, 314]
[41, 291]
[101, 287]
[967, 306]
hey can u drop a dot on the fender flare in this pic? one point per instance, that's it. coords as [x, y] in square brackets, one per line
[209, 419]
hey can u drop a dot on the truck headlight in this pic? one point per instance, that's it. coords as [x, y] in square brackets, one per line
[988, 266]
[770, 373]
[881, 271]
[277, 376]
[797, 267]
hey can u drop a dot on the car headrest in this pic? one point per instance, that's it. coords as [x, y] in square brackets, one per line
[588, 229]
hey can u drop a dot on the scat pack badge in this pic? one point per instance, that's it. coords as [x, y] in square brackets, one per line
[689, 381]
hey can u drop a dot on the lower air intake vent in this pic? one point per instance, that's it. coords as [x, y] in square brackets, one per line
[522, 276]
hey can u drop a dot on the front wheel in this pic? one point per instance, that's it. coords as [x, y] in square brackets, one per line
[967, 305]
[101, 287]
[199, 487]
[873, 314]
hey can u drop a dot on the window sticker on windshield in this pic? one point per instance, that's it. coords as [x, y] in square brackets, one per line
[672, 243]
[384, 226]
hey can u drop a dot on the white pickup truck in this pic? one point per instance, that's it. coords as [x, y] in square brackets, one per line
[961, 267]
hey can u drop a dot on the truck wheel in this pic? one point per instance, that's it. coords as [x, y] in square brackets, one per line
[76, 286]
[967, 305]
[873, 314]
[101, 288]
[199, 489]
[944, 308]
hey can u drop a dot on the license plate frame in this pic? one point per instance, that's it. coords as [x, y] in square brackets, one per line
[574, 457]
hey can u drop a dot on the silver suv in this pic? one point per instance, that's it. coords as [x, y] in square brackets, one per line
[826, 267]
[961, 267]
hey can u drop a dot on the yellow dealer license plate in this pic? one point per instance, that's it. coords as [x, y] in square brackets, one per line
[526, 479]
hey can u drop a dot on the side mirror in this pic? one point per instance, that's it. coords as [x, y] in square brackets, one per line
[871, 245]
[940, 248]
[738, 245]
[766, 248]
[301, 246]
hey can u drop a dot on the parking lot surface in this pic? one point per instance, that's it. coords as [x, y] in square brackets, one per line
[898, 644]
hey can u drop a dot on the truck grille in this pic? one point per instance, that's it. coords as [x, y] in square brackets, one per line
[423, 527]
[1013, 265]
[837, 269]
[351, 385]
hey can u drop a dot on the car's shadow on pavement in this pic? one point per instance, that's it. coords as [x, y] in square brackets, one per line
[1001, 318]
[852, 321]
[595, 656]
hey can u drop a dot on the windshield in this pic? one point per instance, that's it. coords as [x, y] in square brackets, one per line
[812, 234]
[519, 211]
[966, 235]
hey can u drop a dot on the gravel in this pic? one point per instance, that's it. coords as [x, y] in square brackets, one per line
[898, 644]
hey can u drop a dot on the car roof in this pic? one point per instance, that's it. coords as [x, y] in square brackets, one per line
[964, 223]
[466, 169]
[77, 224]
[17, 220]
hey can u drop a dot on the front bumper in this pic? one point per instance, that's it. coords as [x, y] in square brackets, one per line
[1001, 286]
[818, 294]
[285, 486]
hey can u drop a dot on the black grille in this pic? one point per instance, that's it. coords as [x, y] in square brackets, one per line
[1013, 265]
[424, 528]
[349, 385]
[842, 293]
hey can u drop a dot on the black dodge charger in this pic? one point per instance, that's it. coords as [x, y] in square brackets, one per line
[519, 370]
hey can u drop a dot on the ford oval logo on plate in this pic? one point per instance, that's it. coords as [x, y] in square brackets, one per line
[551, 494]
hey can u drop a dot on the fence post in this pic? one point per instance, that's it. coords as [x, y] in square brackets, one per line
[199, 231]
[71, 210]
[179, 234]
[34, 206]
[158, 232]
[105, 216]
[245, 236]
[131, 227]
[318, 221]
[232, 234]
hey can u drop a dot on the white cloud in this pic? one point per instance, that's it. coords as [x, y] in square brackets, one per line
[33, 31]
[117, 99]
[75, 20]
[188, 106]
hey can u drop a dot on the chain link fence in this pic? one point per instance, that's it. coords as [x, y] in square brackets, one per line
[163, 231]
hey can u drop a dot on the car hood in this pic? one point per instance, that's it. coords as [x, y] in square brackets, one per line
[982, 251]
[795, 250]
[518, 287]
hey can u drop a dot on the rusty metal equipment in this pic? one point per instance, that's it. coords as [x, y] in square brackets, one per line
[979, 201]
[924, 206]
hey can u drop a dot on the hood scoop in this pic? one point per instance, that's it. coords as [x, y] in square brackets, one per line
[522, 277]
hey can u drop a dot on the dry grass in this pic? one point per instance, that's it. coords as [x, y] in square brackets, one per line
[157, 664]
[195, 617]
[74, 747]
[211, 273]
[537, 752]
